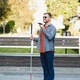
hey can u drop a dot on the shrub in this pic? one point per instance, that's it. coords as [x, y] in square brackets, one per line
[9, 26]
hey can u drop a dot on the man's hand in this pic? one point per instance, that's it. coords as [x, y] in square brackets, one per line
[31, 37]
[42, 27]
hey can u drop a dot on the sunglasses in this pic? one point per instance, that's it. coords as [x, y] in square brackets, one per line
[45, 17]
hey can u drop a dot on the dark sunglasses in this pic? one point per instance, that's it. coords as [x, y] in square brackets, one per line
[45, 17]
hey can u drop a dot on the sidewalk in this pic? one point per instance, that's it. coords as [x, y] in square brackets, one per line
[23, 73]
[58, 70]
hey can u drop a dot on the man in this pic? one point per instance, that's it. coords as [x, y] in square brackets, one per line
[46, 46]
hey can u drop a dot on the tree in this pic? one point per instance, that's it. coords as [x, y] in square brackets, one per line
[79, 1]
[21, 12]
[67, 8]
[17, 10]
[4, 9]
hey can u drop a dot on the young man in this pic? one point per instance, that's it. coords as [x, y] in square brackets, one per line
[46, 46]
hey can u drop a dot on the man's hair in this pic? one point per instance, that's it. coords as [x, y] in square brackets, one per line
[50, 15]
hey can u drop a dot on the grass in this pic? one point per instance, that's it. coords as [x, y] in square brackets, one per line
[69, 51]
[28, 50]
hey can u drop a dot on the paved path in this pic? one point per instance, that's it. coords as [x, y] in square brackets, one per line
[36, 76]
[23, 73]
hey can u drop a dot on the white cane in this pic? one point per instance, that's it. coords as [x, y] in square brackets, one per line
[31, 55]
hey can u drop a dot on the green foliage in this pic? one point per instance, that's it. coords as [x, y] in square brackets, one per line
[79, 1]
[18, 10]
[4, 9]
[67, 8]
[9, 26]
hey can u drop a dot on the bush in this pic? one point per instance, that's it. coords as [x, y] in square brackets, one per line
[9, 26]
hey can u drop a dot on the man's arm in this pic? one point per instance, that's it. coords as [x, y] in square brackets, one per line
[50, 34]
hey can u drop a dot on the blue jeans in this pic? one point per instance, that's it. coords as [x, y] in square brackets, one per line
[47, 59]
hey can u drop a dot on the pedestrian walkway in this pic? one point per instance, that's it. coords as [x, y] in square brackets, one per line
[23, 73]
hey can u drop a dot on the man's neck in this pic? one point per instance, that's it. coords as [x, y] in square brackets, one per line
[48, 23]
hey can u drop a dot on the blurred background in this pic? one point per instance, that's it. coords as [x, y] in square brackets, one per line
[16, 16]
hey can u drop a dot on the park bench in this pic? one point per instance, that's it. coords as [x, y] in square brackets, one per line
[24, 42]
[67, 42]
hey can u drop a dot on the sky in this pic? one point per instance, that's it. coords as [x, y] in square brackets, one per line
[41, 9]
[38, 15]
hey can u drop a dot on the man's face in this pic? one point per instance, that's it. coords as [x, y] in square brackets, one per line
[46, 18]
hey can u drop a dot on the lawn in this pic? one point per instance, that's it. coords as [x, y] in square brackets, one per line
[28, 50]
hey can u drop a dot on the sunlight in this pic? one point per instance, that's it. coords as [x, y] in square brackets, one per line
[40, 10]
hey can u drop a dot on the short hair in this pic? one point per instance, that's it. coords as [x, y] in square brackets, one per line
[50, 15]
